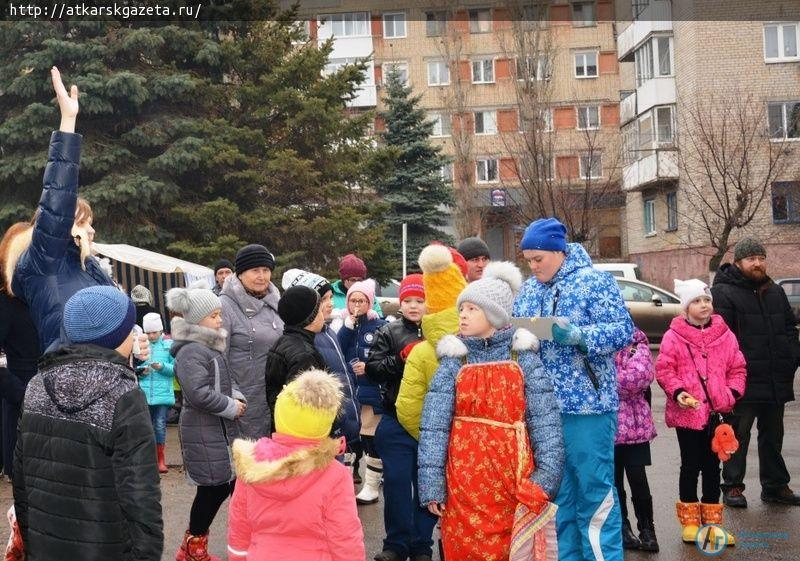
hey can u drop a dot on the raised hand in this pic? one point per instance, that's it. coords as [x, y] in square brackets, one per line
[67, 102]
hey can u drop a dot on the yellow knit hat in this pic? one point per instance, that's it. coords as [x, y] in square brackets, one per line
[442, 278]
[307, 406]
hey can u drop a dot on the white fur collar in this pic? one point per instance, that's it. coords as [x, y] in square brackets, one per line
[212, 338]
[524, 340]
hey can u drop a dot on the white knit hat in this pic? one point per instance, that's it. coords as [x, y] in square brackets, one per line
[294, 277]
[494, 293]
[691, 289]
[151, 323]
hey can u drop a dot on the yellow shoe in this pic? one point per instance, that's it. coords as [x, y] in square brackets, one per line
[712, 514]
[689, 517]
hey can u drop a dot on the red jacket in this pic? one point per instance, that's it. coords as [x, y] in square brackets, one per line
[293, 500]
[716, 355]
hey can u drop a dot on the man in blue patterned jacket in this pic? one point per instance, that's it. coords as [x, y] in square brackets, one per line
[580, 362]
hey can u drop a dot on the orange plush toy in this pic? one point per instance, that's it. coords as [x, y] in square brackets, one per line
[724, 443]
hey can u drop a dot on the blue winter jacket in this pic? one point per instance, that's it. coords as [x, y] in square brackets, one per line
[541, 410]
[157, 384]
[591, 300]
[348, 423]
[355, 343]
[49, 272]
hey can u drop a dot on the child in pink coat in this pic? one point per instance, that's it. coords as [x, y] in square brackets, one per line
[293, 500]
[703, 373]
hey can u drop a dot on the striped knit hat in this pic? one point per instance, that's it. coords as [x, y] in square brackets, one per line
[99, 315]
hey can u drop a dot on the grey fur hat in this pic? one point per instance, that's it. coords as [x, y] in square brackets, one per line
[495, 292]
[747, 247]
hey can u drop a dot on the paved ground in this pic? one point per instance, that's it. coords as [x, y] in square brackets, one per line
[765, 532]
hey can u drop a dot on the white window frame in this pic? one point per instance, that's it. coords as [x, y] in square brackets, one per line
[528, 125]
[544, 70]
[446, 172]
[584, 23]
[480, 26]
[781, 42]
[394, 23]
[482, 62]
[657, 70]
[649, 207]
[547, 120]
[586, 110]
[439, 20]
[491, 121]
[443, 125]
[659, 125]
[440, 64]
[341, 17]
[387, 65]
[551, 168]
[486, 163]
[784, 122]
[336, 64]
[672, 227]
[644, 63]
[585, 65]
[595, 156]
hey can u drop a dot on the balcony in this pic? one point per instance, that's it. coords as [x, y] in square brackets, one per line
[656, 91]
[627, 109]
[659, 166]
[366, 96]
[656, 18]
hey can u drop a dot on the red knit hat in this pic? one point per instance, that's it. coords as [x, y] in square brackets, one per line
[412, 286]
[351, 266]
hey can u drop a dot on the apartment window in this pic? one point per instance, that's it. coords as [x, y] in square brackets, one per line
[486, 170]
[442, 124]
[536, 118]
[400, 67]
[664, 132]
[653, 58]
[649, 217]
[546, 167]
[630, 143]
[664, 48]
[435, 23]
[336, 64]
[545, 120]
[303, 29]
[446, 173]
[394, 25]
[672, 212]
[483, 71]
[438, 73]
[786, 201]
[586, 65]
[780, 41]
[646, 135]
[350, 24]
[486, 122]
[583, 14]
[784, 120]
[639, 6]
[643, 61]
[591, 166]
[526, 69]
[589, 117]
[480, 21]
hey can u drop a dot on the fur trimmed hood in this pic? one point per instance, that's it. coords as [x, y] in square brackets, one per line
[281, 458]
[183, 331]
[453, 346]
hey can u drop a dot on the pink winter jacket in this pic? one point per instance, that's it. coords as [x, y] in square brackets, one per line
[716, 355]
[635, 373]
[293, 500]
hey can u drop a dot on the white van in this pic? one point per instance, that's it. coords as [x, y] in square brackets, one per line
[620, 270]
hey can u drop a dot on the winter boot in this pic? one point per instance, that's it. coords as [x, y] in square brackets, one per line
[197, 549]
[689, 517]
[162, 464]
[180, 555]
[643, 507]
[370, 492]
[712, 514]
[629, 539]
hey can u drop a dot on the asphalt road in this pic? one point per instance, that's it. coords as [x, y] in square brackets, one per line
[765, 532]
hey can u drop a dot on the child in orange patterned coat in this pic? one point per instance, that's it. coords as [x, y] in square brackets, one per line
[491, 450]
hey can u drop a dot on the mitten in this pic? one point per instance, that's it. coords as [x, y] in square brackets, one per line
[568, 335]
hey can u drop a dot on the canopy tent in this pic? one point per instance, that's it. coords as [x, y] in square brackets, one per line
[133, 265]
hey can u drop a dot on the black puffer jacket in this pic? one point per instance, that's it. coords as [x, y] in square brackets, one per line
[291, 354]
[762, 320]
[86, 485]
[384, 365]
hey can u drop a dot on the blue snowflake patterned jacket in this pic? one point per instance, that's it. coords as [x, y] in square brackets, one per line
[591, 300]
[541, 411]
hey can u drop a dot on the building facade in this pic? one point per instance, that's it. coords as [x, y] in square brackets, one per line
[710, 117]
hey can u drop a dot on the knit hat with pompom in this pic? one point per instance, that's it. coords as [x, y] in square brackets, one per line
[308, 405]
[193, 303]
[441, 277]
[494, 293]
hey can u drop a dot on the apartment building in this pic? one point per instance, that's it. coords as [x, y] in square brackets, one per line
[700, 70]
[515, 120]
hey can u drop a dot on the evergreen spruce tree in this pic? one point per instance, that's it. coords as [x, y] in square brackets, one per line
[199, 137]
[415, 191]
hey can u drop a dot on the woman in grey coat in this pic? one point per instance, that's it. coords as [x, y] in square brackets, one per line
[211, 405]
[250, 316]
